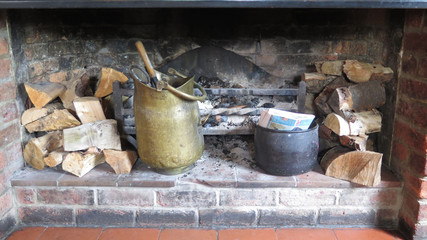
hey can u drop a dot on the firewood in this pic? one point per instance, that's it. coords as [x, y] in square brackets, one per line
[315, 82]
[55, 158]
[321, 101]
[79, 164]
[362, 72]
[120, 161]
[330, 67]
[38, 148]
[57, 120]
[105, 83]
[360, 97]
[89, 109]
[355, 124]
[33, 114]
[76, 87]
[101, 134]
[354, 142]
[355, 166]
[327, 133]
[41, 94]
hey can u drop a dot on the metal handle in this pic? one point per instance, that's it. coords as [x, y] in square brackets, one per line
[186, 96]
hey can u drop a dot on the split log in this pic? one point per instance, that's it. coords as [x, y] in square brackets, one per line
[55, 158]
[320, 102]
[362, 72]
[38, 148]
[315, 82]
[41, 94]
[89, 109]
[330, 67]
[79, 164]
[33, 114]
[360, 97]
[105, 82]
[101, 134]
[355, 142]
[59, 119]
[120, 161]
[355, 124]
[76, 87]
[355, 166]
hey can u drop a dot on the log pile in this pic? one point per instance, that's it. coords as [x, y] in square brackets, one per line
[346, 97]
[73, 131]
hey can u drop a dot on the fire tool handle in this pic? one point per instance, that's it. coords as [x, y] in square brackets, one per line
[148, 66]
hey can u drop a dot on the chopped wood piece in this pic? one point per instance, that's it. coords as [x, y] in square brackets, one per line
[354, 142]
[93, 150]
[79, 164]
[355, 124]
[315, 82]
[330, 67]
[38, 148]
[360, 97]
[105, 83]
[120, 161]
[362, 72]
[355, 166]
[41, 94]
[76, 87]
[101, 134]
[59, 119]
[89, 109]
[55, 158]
[327, 133]
[321, 101]
[33, 114]
[337, 124]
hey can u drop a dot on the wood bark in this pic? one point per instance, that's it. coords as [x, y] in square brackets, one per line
[360, 97]
[89, 109]
[79, 164]
[362, 72]
[321, 100]
[101, 134]
[76, 87]
[38, 148]
[41, 94]
[105, 82]
[355, 166]
[330, 67]
[33, 114]
[354, 142]
[120, 161]
[316, 82]
[57, 120]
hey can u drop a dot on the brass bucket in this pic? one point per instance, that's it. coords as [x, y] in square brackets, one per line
[168, 124]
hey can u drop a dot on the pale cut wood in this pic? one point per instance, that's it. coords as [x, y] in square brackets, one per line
[120, 161]
[89, 109]
[101, 134]
[59, 119]
[105, 82]
[337, 124]
[33, 114]
[315, 82]
[76, 87]
[360, 97]
[41, 94]
[55, 158]
[355, 166]
[38, 148]
[355, 142]
[362, 72]
[320, 102]
[355, 124]
[330, 67]
[79, 164]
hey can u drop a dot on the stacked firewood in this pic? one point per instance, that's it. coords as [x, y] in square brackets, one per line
[345, 95]
[75, 131]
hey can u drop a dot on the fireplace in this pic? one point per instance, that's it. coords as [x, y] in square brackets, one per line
[226, 189]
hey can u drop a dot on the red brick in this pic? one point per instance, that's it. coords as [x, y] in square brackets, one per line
[3, 181]
[9, 112]
[35, 69]
[415, 112]
[51, 65]
[14, 153]
[4, 68]
[414, 18]
[400, 151]
[25, 195]
[58, 77]
[7, 91]
[126, 197]
[409, 64]
[355, 48]
[5, 203]
[3, 46]
[411, 136]
[422, 68]
[3, 160]
[413, 89]
[410, 205]
[9, 134]
[65, 196]
[370, 197]
[412, 183]
[418, 163]
[415, 42]
[46, 215]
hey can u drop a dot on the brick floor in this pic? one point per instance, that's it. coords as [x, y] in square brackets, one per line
[53, 233]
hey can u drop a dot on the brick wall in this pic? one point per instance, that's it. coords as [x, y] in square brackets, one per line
[410, 128]
[10, 137]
